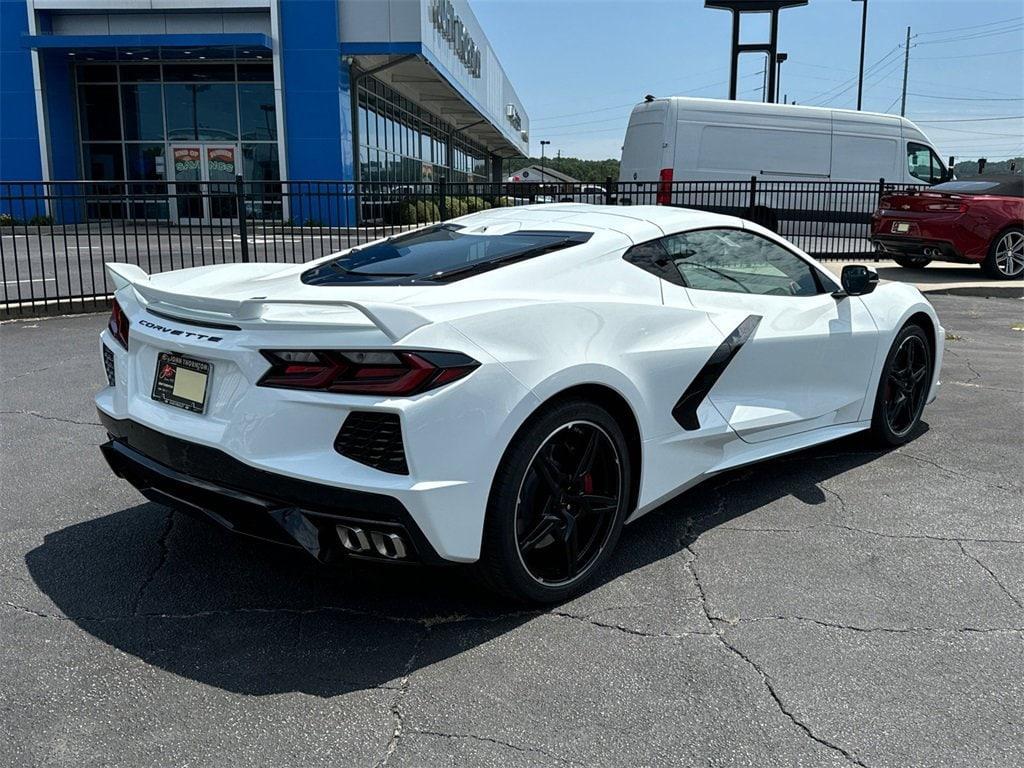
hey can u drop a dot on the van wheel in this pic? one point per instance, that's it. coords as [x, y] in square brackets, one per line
[911, 262]
[766, 218]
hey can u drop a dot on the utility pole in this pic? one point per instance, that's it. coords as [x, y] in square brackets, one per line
[863, 40]
[906, 66]
[779, 58]
[543, 143]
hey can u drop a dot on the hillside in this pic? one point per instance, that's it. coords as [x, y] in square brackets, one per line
[584, 170]
[967, 168]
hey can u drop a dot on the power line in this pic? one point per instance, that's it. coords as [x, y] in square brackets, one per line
[972, 119]
[852, 81]
[978, 36]
[969, 55]
[979, 133]
[962, 98]
[973, 26]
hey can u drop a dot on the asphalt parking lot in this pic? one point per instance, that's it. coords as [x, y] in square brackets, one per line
[842, 606]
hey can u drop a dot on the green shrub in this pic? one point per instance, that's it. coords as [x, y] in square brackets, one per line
[474, 204]
[418, 212]
[456, 206]
[41, 221]
[6, 220]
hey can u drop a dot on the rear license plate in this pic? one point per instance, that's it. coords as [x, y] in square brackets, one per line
[182, 381]
[901, 227]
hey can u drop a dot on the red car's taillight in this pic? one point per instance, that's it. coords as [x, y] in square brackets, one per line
[665, 187]
[364, 372]
[960, 207]
[118, 324]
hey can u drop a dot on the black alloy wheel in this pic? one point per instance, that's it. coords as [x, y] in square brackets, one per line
[567, 503]
[903, 389]
[558, 503]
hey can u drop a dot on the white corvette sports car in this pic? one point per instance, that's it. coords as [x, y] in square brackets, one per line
[510, 387]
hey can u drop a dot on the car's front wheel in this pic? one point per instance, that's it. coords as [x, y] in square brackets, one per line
[903, 388]
[558, 503]
[912, 262]
[1005, 260]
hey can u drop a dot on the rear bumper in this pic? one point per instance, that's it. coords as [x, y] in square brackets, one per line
[918, 246]
[206, 482]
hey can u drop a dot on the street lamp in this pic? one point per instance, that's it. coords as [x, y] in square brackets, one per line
[779, 58]
[543, 143]
[863, 39]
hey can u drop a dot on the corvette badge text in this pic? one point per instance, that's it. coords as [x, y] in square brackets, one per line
[176, 332]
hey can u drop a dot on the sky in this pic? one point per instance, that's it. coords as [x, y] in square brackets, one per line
[580, 65]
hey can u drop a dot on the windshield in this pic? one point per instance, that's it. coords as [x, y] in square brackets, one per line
[437, 254]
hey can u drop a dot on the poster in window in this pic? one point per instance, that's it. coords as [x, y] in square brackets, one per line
[221, 160]
[186, 159]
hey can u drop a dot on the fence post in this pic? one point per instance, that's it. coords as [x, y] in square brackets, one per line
[442, 207]
[242, 224]
[753, 198]
[609, 191]
[881, 189]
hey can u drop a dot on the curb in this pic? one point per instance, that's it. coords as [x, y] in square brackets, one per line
[978, 291]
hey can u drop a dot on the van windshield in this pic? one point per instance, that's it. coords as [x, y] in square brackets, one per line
[437, 255]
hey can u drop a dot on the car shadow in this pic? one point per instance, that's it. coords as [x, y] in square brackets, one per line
[255, 618]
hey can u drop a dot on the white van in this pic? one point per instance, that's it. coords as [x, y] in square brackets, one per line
[699, 140]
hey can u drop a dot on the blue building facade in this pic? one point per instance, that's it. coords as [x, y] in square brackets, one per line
[193, 91]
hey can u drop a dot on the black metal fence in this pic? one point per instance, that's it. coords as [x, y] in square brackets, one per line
[56, 236]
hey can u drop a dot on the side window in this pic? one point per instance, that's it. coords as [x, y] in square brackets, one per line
[737, 261]
[924, 164]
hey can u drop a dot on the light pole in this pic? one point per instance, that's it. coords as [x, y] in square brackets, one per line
[863, 39]
[543, 143]
[779, 58]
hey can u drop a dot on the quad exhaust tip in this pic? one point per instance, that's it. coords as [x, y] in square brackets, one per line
[385, 544]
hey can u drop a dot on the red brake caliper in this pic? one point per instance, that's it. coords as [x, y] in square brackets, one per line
[588, 483]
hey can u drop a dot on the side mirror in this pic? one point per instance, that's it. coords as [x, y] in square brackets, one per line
[857, 280]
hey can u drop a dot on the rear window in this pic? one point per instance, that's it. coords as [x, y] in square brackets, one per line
[437, 255]
[976, 187]
[1010, 186]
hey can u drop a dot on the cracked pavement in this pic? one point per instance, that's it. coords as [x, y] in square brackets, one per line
[838, 607]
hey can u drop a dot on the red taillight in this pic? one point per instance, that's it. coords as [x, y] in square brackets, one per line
[364, 372]
[665, 187]
[959, 207]
[118, 324]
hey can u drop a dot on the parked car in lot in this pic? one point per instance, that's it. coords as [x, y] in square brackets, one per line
[680, 139]
[977, 221]
[586, 193]
[508, 388]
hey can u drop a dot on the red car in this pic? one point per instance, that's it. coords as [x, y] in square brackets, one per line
[980, 221]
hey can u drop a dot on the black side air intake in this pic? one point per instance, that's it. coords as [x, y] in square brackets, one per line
[685, 410]
[373, 439]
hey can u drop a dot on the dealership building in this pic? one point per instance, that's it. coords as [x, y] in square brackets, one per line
[201, 90]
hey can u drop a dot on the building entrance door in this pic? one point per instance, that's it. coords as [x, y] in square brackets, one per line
[204, 182]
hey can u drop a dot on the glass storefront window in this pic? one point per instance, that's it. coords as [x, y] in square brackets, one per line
[216, 112]
[206, 112]
[140, 73]
[145, 162]
[413, 143]
[143, 112]
[260, 162]
[159, 105]
[257, 112]
[103, 161]
[100, 113]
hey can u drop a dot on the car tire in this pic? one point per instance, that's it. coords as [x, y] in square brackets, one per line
[903, 387]
[546, 504]
[912, 262]
[1005, 260]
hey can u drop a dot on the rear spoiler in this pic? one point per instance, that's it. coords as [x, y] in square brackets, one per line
[394, 320]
